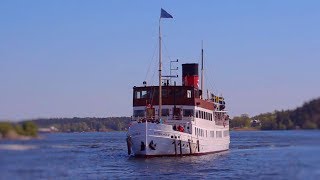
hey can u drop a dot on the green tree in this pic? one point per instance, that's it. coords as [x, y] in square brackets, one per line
[309, 125]
[5, 127]
[30, 128]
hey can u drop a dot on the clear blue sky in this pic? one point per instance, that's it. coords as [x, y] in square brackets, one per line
[81, 58]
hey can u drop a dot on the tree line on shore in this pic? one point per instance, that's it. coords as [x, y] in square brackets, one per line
[11, 130]
[304, 117]
[87, 124]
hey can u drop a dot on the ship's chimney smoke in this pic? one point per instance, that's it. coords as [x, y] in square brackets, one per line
[190, 75]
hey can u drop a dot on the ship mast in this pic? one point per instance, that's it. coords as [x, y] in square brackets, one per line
[163, 14]
[202, 71]
[160, 67]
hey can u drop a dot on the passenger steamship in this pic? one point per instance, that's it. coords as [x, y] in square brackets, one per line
[172, 120]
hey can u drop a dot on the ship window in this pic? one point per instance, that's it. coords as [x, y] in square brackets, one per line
[165, 112]
[212, 133]
[176, 113]
[225, 133]
[187, 112]
[138, 94]
[178, 93]
[154, 94]
[164, 93]
[197, 114]
[138, 113]
[218, 134]
[143, 94]
[189, 94]
[149, 94]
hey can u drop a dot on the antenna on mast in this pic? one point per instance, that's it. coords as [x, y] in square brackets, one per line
[202, 70]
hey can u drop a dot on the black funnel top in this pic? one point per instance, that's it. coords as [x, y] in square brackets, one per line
[190, 69]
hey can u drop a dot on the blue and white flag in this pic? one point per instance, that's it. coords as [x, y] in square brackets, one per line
[164, 14]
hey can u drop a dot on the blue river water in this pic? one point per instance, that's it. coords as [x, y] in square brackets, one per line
[252, 155]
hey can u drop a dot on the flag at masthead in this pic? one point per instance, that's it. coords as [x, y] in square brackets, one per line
[165, 14]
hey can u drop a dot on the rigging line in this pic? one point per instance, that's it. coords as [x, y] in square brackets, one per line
[154, 52]
[152, 77]
[209, 82]
[166, 50]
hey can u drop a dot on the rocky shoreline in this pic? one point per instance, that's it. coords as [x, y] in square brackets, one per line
[12, 135]
[16, 131]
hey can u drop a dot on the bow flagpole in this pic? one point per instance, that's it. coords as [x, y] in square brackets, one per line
[163, 14]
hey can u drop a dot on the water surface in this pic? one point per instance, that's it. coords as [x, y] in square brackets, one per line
[252, 155]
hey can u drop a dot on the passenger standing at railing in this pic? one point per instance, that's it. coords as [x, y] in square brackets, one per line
[174, 127]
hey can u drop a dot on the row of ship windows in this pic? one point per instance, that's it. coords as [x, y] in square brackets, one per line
[204, 133]
[166, 93]
[177, 112]
[166, 112]
[204, 115]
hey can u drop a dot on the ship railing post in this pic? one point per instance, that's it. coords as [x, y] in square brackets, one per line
[146, 136]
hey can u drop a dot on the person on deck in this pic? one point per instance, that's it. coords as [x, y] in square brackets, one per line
[174, 127]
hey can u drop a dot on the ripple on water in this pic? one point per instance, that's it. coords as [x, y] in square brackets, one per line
[17, 147]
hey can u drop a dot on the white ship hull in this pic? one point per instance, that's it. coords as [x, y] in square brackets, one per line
[152, 139]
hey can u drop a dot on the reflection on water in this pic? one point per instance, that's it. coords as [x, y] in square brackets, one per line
[260, 154]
